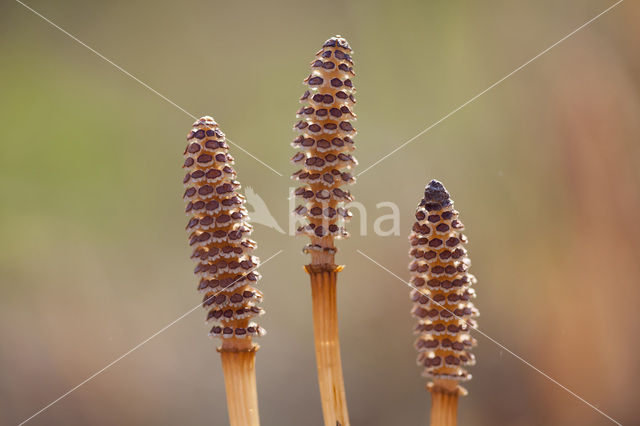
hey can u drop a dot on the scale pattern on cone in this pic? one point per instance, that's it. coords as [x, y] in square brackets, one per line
[325, 144]
[218, 226]
[442, 294]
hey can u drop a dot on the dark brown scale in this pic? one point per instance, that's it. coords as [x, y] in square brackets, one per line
[204, 158]
[443, 227]
[210, 144]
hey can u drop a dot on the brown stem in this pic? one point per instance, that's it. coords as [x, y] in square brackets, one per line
[238, 364]
[444, 402]
[325, 328]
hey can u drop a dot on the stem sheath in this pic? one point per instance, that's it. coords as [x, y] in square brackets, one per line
[444, 402]
[240, 383]
[325, 328]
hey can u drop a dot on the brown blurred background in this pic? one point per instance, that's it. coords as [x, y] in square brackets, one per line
[544, 168]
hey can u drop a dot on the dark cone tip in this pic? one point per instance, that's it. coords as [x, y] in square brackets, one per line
[205, 121]
[435, 193]
[337, 41]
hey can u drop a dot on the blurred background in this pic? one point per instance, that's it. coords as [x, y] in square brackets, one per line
[544, 168]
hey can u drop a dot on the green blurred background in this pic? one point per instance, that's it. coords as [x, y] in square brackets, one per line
[544, 169]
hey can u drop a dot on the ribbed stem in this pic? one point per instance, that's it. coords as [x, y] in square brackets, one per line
[325, 328]
[240, 384]
[444, 402]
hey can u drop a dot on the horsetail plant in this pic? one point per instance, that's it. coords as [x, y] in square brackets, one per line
[442, 301]
[218, 226]
[324, 154]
